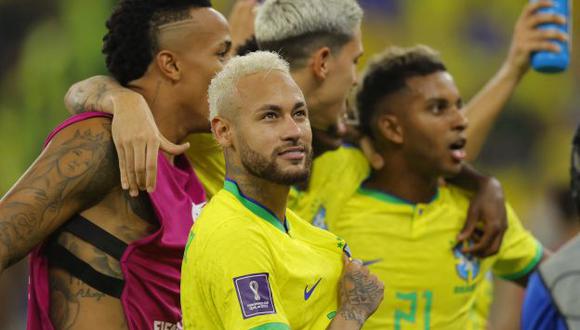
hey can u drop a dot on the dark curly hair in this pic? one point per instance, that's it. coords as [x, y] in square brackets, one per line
[387, 73]
[131, 41]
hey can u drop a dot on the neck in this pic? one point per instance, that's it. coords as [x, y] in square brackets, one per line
[400, 179]
[171, 120]
[269, 194]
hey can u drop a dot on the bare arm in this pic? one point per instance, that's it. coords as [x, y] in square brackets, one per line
[135, 134]
[360, 295]
[93, 94]
[483, 109]
[74, 171]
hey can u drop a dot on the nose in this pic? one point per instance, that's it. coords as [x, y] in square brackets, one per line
[291, 130]
[460, 121]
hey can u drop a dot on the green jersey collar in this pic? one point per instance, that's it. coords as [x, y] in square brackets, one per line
[388, 198]
[255, 206]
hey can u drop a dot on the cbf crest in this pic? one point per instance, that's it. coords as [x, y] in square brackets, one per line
[466, 265]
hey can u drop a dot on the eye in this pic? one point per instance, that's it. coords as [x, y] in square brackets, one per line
[438, 108]
[270, 115]
[300, 113]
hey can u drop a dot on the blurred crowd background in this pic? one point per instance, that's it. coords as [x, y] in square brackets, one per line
[45, 46]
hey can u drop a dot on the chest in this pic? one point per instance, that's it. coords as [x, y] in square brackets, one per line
[309, 278]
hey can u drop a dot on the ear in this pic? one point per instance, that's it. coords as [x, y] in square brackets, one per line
[319, 62]
[222, 132]
[390, 128]
[168, 65]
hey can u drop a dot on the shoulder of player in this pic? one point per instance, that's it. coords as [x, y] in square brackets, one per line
[223, 220]
[85, 151]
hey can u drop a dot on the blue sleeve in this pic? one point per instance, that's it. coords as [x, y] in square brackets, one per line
[539, 311]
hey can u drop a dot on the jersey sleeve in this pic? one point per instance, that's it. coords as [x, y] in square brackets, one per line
[345, 168]
[520, 252]
[245, 286]
[538, 310]
[207, 158]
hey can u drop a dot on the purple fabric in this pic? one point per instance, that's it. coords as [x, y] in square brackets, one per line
[254, 295]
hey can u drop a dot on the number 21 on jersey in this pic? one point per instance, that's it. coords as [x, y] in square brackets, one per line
[416, 300]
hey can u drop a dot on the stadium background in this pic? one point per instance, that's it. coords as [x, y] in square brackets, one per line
[47, 45]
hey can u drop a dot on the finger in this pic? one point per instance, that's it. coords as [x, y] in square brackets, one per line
[130, 166]
[533, 7]
[470, 224]
[122, 167]
[172, 148]
[544, 45]
[548, 34]
[494, 247]
[356, 262]
[151, 166]
[140, 150]
[484, 243]
[545, 18]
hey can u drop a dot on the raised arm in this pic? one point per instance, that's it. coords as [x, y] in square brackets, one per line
[483, 109]
[74, 171]
[135, 134]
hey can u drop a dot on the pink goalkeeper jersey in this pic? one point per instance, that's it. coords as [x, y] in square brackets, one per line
[151, 266]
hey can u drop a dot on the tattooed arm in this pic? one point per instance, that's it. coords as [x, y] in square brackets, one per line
[135, 133]
[74, 172]
[360, 295]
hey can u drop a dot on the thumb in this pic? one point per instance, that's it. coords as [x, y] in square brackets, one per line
[172, 148]
[345, 259]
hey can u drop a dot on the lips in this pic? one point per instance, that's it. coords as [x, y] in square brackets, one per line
[293, 153]
[458, 149]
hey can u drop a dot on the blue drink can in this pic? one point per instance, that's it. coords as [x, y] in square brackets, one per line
[551, 62]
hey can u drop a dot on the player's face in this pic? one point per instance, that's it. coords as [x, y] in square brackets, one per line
[204, 52]
[272, 131]
[328, 126]
[433, 124]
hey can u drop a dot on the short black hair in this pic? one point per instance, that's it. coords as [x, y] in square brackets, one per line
[131, 41]
[296, 50]
[388, 73]
[249, 46]
[575, 170]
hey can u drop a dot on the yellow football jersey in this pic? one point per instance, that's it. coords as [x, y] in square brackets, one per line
[243, 269]
[207, 158]
[335, 176]
[429, 283]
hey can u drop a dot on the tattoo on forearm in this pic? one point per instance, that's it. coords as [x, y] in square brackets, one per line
[359, 297]
[80, 172]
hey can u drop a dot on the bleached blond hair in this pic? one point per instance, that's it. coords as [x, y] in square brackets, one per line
[222, 90]
[282, 19]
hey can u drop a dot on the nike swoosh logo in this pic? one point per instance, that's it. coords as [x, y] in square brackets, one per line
[308, 293]
[370, 262]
